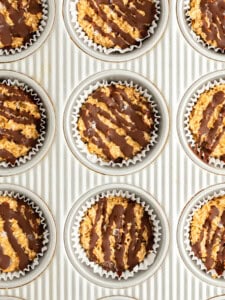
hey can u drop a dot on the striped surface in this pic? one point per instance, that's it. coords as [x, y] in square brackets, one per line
[59, 66]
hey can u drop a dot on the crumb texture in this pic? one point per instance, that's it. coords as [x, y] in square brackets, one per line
[116, 23]
[21, 234]
[207, 235]
[208, 21]
[19, 123]
[116, 122]
[117, 234]
[19, 19]
[207, 124]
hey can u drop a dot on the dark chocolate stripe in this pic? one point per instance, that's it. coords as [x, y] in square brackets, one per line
[8, 156]
[4, 260]
[217, 99]
[18, 116]
[17, 137]
[93, 236]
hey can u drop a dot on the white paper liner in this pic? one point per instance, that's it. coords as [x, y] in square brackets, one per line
[43, 124]
[81, 253]
[187, 227]
[96, 47]
[215, 162]
[36, 261]
[197, 38]
[83, 147]
[34, 36]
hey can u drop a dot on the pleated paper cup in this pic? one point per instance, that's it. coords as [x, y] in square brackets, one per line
[186, 105]
[47, 128]
[98, 276]
[155, 33]
[159, 133]
[36, 39]
[184, 22]
[40, 263]
[194, 264]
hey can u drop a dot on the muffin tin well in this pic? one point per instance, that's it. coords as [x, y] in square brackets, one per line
[117, 75]
[85, 270]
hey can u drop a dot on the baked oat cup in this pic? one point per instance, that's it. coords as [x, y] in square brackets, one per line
[201, 23]
[27, 127]
[105, 98]
[94, 272]
[200, 122]
[202, 216]
[25, 27]
[28, 236]
[120, 31]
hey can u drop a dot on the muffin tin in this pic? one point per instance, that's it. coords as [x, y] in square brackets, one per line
[64, 71]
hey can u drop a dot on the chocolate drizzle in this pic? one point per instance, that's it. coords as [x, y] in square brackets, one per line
[213, 21]
[124, 114]
[138, 14]
[121, 225]
[210, 236]
[208, 138]
[19, 28]
[27, 220]
[19, 115]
